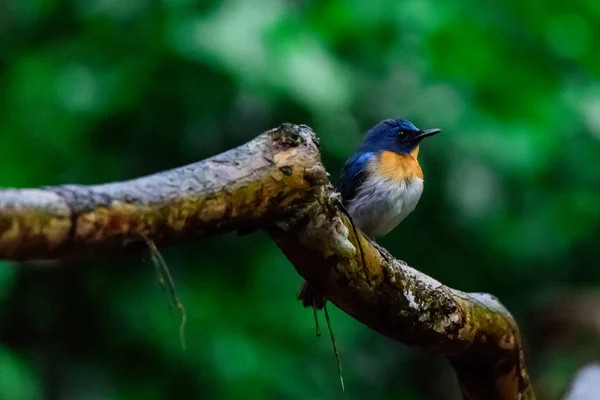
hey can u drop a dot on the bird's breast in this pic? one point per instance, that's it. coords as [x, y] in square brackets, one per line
[382, 202]
[398, 167]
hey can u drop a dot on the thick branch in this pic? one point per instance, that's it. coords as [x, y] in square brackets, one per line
[277, 182]
[241, 188]
[475, 332]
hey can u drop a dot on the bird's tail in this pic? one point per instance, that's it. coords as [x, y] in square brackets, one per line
[311, 295]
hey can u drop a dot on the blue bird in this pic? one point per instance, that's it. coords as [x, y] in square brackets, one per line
[380, 184]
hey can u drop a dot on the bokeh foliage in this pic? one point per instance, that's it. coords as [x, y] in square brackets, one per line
[101, 90]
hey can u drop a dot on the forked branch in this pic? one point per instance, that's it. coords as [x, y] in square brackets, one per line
[277, 182]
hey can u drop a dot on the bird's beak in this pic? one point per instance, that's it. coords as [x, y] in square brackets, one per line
[427, 132]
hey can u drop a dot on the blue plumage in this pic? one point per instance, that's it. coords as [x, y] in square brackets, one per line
[353, 174]
[395, 135]
[380, 184]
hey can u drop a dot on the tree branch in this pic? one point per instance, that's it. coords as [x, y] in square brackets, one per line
[247, 186]
[277, 182]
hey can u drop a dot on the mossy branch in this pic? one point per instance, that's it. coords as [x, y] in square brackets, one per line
[277, 182]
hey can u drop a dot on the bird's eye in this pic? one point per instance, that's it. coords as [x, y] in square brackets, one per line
[402, 134]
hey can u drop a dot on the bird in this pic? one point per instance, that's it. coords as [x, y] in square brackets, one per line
[380, 184]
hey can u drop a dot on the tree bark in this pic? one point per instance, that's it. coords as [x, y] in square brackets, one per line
[277, 182]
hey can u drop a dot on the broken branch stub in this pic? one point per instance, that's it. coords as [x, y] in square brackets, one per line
[277, 182]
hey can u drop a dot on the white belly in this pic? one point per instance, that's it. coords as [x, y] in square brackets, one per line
[381, 204]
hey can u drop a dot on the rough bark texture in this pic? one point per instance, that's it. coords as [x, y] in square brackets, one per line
[278, 183]
[247, 186]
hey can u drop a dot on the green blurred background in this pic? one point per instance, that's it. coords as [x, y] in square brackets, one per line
[102, 90]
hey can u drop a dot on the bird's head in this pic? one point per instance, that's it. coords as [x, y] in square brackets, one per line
[395, 135]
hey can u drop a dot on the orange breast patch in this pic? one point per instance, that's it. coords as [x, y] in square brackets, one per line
[399, 167]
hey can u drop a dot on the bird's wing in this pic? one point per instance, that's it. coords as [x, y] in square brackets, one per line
[353, 174]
